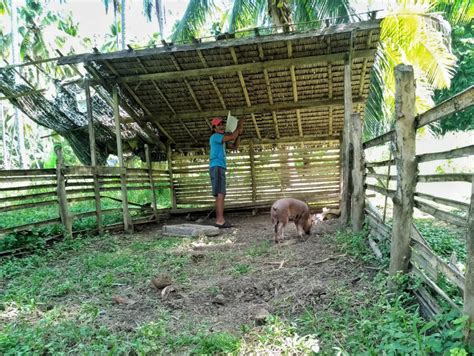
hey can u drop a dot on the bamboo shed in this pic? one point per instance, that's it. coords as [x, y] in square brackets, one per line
[295, 90]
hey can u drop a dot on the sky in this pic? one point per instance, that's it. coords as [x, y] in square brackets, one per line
[94, 22]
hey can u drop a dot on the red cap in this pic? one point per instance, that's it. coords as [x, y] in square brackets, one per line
[216, 121]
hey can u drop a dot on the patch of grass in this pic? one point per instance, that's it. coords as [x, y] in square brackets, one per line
[375, 322]
[241, 269]
[259, 249]
[278, 337]
[356, 245]
[443, 240]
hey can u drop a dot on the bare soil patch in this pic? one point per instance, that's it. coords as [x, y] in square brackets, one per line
[231, 278]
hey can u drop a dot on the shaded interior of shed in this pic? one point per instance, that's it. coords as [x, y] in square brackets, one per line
[290, 88]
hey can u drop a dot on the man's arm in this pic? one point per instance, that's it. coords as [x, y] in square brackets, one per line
[233, 136]
[235, 144]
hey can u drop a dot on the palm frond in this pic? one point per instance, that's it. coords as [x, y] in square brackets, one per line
[147, 9]
[457, 12]
[193, 20]
[244, 13]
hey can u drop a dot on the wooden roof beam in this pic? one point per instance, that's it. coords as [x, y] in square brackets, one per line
[143, 106]
[230, 69]
[242, 111]
[269, 90]
[295, 87]
[211, 78]
[157, 88]
[244, 89]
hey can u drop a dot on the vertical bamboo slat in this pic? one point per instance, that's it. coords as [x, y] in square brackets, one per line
[252, 172]
[406, 169]
[152, 183]
[170, 172]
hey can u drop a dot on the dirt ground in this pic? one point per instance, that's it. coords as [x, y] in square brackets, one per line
[241, 273]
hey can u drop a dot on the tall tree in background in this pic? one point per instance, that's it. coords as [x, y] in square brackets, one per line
[19, 128]
[148, 6]
[5, 44]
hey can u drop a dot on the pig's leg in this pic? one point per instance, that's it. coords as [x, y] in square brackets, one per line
[298, 226]
[280, 231]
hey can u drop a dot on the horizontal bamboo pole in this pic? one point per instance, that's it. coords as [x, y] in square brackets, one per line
[28, 197]
[381, 176]
[30, 225]
[434, 286]
[422, 251]
[388, 192]
[29, 172]
[381, 163]
[449, 202]
[456, 153]
[447, 177]
[440, 214]
[5, 209]
[31, 187]
[455, 104]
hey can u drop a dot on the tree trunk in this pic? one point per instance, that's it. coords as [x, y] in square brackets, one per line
[123, 24]
[18, 118]
[161, 17]
[6, 156]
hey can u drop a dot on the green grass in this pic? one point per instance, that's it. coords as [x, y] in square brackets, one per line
[55, 301]
[35, 238]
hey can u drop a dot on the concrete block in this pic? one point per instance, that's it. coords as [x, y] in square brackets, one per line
[190, 230]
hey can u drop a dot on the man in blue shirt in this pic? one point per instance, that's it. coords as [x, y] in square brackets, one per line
[218, 165]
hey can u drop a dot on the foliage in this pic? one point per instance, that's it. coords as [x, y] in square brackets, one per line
[442, 240]
[463, 48]
[376, 322]
[415, 35]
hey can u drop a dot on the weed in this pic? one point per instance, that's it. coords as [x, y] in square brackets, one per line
[259, 249]
[241, 269]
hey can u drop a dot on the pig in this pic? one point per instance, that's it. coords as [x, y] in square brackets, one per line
[290, 209]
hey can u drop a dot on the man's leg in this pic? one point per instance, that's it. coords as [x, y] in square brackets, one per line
[220, 208]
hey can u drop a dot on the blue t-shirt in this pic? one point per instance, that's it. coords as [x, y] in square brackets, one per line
[217, 156]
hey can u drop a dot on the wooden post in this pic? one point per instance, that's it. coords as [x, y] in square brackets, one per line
[127, 219]
[61, 192]
[469, 282]
[152, 181]
[170, 172]
[346, 139]
[252, 172]
[98, 209]
[404, 154]
[358, 174]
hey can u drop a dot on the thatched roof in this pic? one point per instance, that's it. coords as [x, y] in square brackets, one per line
[287, 85]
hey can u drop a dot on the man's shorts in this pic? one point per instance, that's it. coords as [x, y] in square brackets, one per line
[217, 180]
